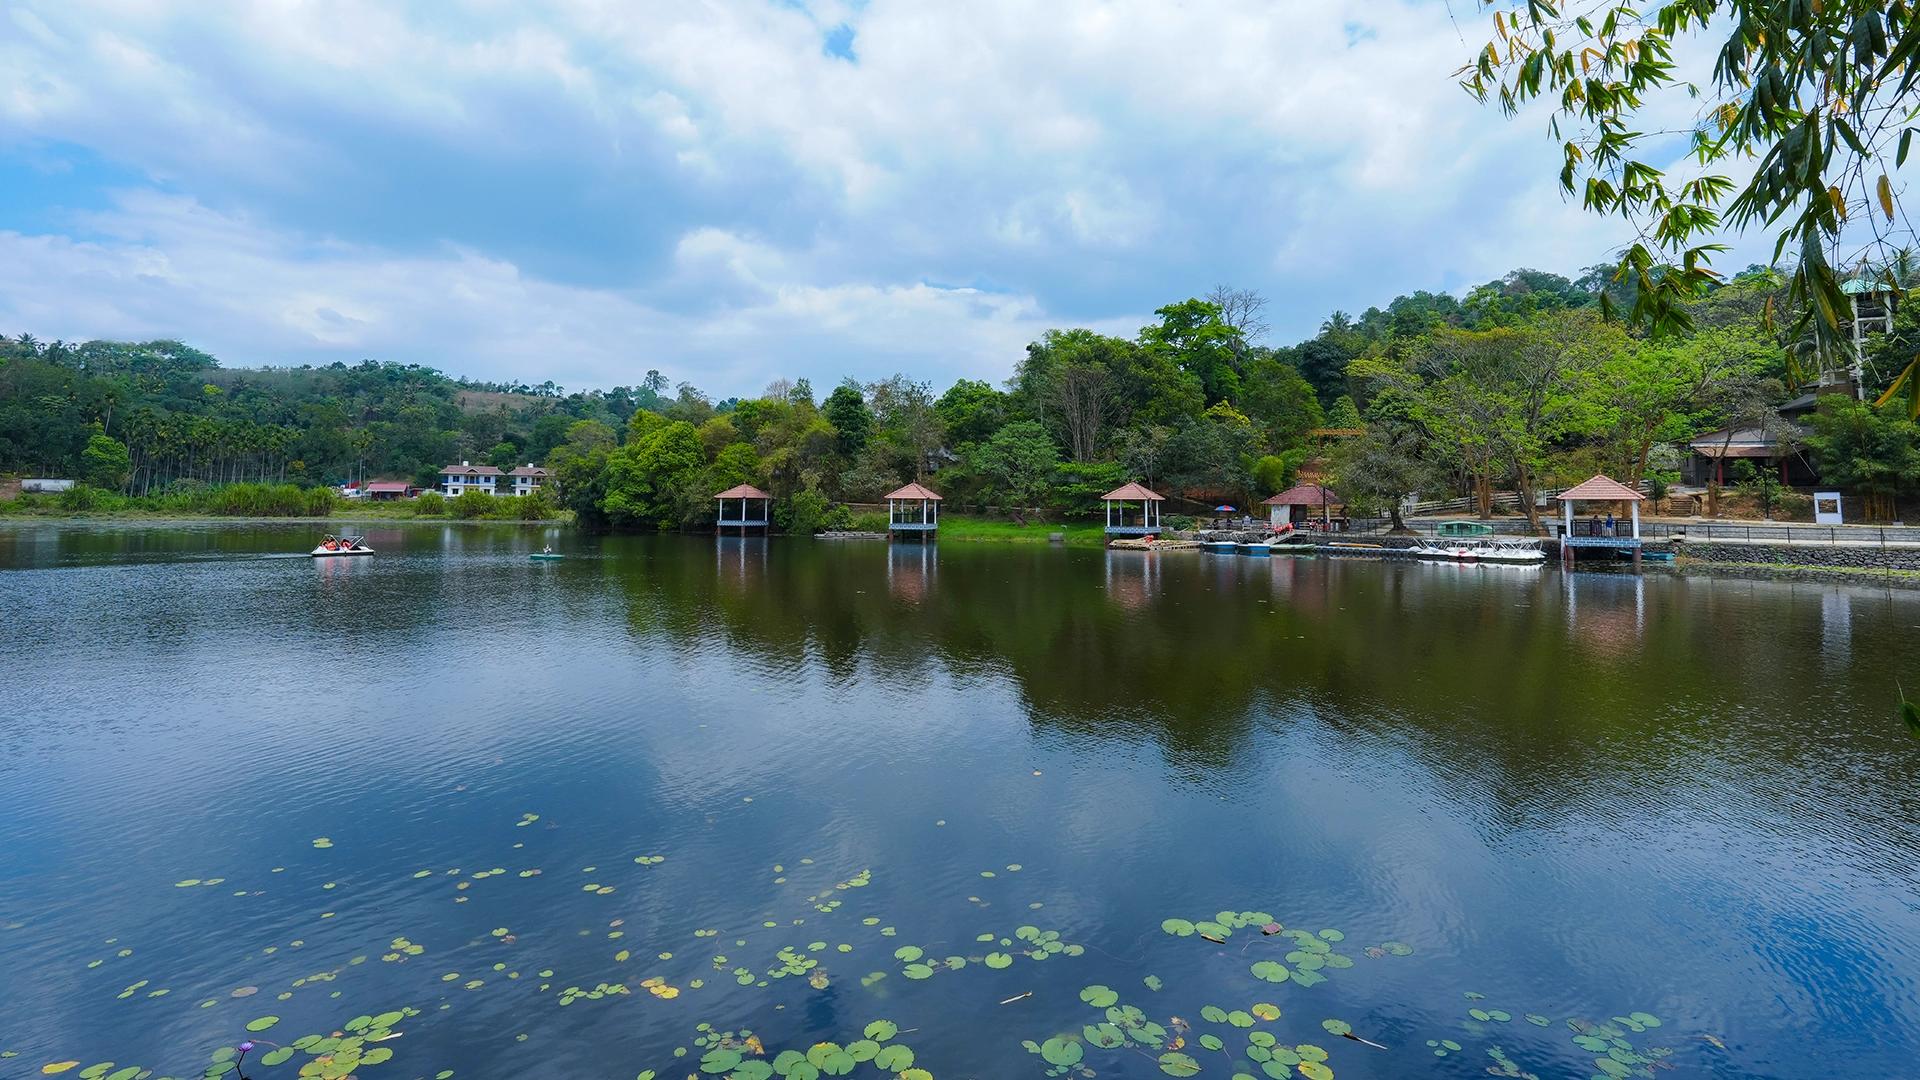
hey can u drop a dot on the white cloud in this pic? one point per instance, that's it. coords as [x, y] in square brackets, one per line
[588, 186]
[161, 262]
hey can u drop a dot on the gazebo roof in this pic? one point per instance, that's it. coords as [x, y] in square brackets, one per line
[1599, 489]
[743, 491]
[915, 491]
[1132, 493]
[1305, 495]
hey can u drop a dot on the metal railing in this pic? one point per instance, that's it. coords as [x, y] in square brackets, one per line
[1775, 532]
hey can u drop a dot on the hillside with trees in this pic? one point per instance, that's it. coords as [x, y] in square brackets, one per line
[1520, 384]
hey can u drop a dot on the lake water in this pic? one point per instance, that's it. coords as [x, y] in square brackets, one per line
[785, 789]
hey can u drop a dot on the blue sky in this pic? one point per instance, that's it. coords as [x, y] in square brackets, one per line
[738, 190]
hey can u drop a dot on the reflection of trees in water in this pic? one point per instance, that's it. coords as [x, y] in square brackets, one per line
[1527, 686]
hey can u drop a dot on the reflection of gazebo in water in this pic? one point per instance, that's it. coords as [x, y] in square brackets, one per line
[1599, 489]
[913, 510]
[736, 501]
[1305, 497]
[1120, 501]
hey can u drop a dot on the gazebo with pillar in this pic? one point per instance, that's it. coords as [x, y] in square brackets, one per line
[737, 509]
[914, 511]
[1599, 489]
[1119, 503]
[1303, 495]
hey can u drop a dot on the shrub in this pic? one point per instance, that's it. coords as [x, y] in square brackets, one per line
[83, 498]
[319, 501]
[804, 513]
[430, 504]
[470, 504]
[870, 521]
[839, 518]
[537, 506]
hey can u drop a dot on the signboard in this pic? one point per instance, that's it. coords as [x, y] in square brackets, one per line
[1826, 508]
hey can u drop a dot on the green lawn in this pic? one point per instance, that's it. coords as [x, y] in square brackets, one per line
[1003, 531]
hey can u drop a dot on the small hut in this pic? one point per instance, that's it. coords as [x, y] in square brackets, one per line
[1599, 489]
[913, 510]
[738, 508]
[1303, 499]
[1121, 518]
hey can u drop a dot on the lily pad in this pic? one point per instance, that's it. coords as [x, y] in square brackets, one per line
[882, 1030]
[998, 960]
[1271, 971]
[1062, 1052]
[263, 1023]
[1178, 1064]
[1337, 1027]
[1177, 927]
[1099, 996]
[893, 1058]
[719, 1060]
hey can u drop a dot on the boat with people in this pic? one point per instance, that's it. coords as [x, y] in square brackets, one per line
[1512, 550]
[546, 554]
[341, 545]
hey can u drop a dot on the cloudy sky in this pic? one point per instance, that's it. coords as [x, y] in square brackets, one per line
[735, 190]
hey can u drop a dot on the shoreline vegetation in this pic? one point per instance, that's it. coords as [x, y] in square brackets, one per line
[1521, 384]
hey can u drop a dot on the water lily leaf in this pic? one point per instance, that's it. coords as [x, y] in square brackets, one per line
[1537, 1020]
[56, 1067]
[893, 1058]
[1177, 927]
[719, 1060]
[277, 1056]
[1099, 996]
[1152, 982]
[863, 1050]
[916, 1074]
[1104, 1036]
[1271, 971]
[263, 1023]
[1265, 1010]
[1178, 1064]
[1058, 1051]
[751, 1069]
[998, 960]
[1337, 1027]
[908, 953]
[1314, 1070]
[786, 1060]
[882, 1030]
[1480, 1014]
[1213, 1014]
[1240, 1019]
[1646, 1019]
[917, 971]
[1211, 1042]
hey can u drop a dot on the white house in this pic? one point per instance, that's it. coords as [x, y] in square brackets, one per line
[466, 476]
[527, 479]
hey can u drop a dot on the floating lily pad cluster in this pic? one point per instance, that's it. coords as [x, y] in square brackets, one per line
[401, 948]
[741, 1056]
[826, 904]
[1128, 1027]
[1617, 1055]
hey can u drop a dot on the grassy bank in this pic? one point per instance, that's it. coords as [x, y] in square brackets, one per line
[961, 527]
[1863, 574]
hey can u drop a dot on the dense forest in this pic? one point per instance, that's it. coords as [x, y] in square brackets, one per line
[1520, 384]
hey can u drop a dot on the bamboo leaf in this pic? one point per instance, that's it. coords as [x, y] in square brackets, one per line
[1885, 189]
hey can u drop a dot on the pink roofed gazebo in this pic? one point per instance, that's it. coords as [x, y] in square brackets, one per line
[914, 509]
[1119, 503]
[736, 500]
[1307, 495]
[1599, 488]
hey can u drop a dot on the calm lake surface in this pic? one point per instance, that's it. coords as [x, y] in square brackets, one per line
[788, 788]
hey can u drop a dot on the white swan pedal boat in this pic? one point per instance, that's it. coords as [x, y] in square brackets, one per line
[1515, 550]
[341, 545]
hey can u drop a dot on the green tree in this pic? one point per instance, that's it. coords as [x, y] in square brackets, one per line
[1814, 98]
[1193, 335]
[1868, 451]
[105, 463]
[1018, 463]
[1380, 470]
[656, 479]
[846, 409]
[1282, 400]
[972, 411]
